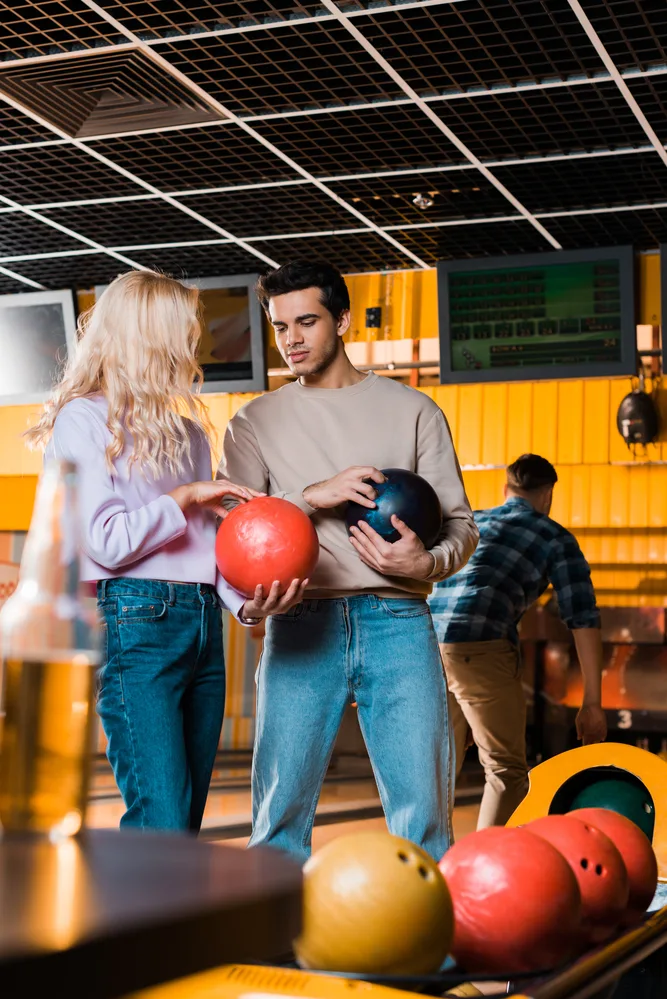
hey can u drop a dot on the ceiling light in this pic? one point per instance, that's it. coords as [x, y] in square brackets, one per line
[422, 201]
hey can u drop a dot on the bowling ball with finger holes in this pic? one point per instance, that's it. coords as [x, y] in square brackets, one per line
[517, 905]
[374, 904]
[638, 857]
[598, 867]
[620, 796]
[265, 540]
[407, 495]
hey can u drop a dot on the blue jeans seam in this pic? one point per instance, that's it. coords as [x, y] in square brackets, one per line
[316, 797]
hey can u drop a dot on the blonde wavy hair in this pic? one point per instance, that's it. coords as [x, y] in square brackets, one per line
[138, 346]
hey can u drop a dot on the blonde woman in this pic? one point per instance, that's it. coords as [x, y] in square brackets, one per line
[148, 506]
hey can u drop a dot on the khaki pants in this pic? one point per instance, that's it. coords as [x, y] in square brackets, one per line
[486, 698]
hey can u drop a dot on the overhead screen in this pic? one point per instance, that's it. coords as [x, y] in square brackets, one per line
[36, 330]
[232, 352]
[568, 314]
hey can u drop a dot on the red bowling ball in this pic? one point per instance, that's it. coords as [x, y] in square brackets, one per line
[637, 852]
[598, 867]
[517, 906]
[265, 540]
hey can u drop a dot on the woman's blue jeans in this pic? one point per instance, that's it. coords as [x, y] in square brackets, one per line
[161, 697]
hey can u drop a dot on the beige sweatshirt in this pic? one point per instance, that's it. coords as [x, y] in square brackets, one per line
[286, 440]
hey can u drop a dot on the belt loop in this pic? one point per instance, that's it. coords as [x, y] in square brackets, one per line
[172, 594]
[102, 594]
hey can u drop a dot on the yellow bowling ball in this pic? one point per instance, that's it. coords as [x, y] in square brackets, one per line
[374, 903]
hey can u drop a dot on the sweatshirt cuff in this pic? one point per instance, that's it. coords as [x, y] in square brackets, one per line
[298, 500]
[441, 567]
[231, 599]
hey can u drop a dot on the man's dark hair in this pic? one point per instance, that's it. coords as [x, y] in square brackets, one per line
[298, 275]
[530, 472]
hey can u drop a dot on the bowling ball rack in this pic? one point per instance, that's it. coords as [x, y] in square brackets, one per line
[633, 965]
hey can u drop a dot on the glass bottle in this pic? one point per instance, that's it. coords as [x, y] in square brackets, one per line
[50, 653]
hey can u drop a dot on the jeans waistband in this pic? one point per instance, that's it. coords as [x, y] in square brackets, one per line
[159, 589]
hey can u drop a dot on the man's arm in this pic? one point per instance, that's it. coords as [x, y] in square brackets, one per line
[570, 576]
[438, 464]
[242, 460]
[407, 557]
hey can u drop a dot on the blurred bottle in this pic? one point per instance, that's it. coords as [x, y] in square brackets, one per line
[50, 652]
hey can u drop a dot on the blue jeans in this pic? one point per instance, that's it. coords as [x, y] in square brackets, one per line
[161, 697]
[384, 655]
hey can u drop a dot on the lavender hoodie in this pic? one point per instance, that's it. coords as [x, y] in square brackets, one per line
[130, 526]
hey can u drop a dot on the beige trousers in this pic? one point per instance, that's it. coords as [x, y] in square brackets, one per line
[486, 699]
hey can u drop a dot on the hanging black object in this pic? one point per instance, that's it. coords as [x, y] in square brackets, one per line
[637, 417]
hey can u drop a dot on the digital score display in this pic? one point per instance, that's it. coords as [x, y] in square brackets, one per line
[546, 316]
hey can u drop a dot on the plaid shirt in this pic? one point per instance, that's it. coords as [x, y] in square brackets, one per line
[520, 552]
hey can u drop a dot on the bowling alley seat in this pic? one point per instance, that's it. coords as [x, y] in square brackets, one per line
[558, 784]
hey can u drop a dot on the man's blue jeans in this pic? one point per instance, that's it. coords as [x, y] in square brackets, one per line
[162, 697]
[384, 655]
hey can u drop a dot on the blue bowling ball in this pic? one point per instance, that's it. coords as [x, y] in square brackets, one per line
[409, 497]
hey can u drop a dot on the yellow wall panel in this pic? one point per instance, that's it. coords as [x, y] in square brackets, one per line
[471, 415]
[520, 420]
[597, 426]
[545, 419]
[618, 497]
[562, 502]
[649, 288]
[494, 425]
[638, 496]
[570, 427]
[447, 398]
[618, 449]
[599, 501]
[17, 498]
[580, 491]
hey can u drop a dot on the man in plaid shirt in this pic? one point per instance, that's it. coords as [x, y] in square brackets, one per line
[476, 613]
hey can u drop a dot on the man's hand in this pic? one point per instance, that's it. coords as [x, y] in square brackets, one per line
[591, 724]
[347, 486]
[405, 557]
[260, 606]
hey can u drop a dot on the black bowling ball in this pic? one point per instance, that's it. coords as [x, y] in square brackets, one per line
[410, 498]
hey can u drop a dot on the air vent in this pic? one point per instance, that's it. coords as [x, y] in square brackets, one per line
[105, 94]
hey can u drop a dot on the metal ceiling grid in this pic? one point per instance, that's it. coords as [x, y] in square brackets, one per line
[153, 19]
[651, 94]
[472, 44]
[592, 183]
[499, 42]
[274, 210]
[309, 65]
[634, 32]
[202, 261]
[362, 140]
[48, 26]
[21, 234]
[131, 222]
[16, 128]
[195, 159]
[357, 252]
[54, 173]
[83, 271]
[646, 228]
[545, 122]
[447, 243]
[455, 194]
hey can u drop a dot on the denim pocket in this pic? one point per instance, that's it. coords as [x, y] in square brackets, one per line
[293, 614]
[405, 607]
[130, 610]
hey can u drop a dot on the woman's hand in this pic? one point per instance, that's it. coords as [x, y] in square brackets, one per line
[209, 495]
[260, 606]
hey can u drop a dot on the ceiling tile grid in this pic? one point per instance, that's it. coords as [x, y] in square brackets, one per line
[325, 152]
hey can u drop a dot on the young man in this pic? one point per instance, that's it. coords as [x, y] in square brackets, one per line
[365, 633]
[521, 551]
